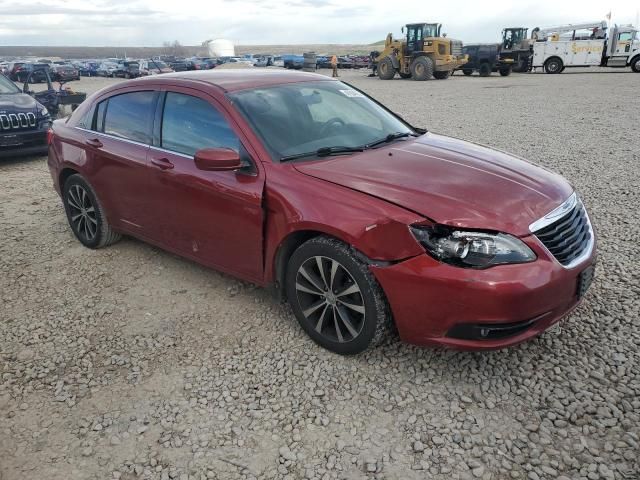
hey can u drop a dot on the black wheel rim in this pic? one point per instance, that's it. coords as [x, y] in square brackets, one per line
[330, 299]
[82, 213]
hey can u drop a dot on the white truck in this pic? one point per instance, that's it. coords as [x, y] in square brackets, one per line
[584, 45]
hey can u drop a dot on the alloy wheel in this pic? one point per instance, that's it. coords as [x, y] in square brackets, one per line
[82, 213]
[330, 299]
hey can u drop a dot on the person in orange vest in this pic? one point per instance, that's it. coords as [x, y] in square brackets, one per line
[334, 65]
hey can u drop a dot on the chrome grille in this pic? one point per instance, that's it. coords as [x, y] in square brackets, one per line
[566, 232]
[15, 121]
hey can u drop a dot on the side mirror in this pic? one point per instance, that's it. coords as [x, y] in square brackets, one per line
[217, 159]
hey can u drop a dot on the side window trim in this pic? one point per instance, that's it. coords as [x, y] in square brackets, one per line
[156, 134]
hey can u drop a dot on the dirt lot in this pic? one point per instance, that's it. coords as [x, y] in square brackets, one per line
[129, 362]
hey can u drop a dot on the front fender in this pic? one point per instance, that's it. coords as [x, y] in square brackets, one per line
[377, 229]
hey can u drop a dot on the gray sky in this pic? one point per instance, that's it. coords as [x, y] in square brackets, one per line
[150, 22]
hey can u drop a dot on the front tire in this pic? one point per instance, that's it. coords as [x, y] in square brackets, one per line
[441, 75]
[505, 72]
[467, 72]
[386, 70]
[422, 68]
[335, 298]
[635, 65]
[85, 214]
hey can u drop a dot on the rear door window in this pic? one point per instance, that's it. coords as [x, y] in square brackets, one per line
[129, 116]
[190, 123]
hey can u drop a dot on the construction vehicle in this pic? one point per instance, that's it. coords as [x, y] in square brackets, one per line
[589, 44]
[517, 47]
[421, 54]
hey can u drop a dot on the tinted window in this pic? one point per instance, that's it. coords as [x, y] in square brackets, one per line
[130, 116]
[190, 123]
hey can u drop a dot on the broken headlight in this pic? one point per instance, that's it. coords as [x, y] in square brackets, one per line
[472, 249]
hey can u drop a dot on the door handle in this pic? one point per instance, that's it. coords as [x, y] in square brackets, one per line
[162, 163]
[93, 142]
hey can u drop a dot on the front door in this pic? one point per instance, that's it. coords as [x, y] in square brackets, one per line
[215, 217]
[623, 44]
[414, 39]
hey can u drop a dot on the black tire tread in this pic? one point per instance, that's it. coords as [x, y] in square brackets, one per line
[107, 235]
[384, 319]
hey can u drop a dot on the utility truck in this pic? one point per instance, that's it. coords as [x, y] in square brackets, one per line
[584, 45]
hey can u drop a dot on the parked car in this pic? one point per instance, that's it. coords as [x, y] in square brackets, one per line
[345, 62]
[21, 71]
[154, 67]
[24, 122]
[485, 58]
[293, 61]
[370, 222]
[244, 61]
[64, 73]
[89, 69]
[323, 61]
[179, 66]
[127, 69]
[107, 69]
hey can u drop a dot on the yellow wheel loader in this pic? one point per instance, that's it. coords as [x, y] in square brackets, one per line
[422, 54]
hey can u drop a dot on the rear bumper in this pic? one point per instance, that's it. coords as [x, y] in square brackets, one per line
[441, 305]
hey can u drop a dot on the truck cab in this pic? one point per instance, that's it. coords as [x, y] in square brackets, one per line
[516, 46]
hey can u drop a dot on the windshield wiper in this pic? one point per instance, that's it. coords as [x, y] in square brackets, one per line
[390, 138]
[323, 152]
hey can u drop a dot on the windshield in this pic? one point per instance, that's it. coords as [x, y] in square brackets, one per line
[303, 117]
[7, 86]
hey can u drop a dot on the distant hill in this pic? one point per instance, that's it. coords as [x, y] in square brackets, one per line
[146, 52]
[381, 42]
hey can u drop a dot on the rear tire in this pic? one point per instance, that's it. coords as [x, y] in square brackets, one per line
[553, 65]
[386, 70]
[441, 75]
[422, 68]
[505, 72]
[467, 72]
[85, 214]
[485, 70]
[318, 274]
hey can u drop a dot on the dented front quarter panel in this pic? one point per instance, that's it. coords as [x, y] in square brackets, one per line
[295, 202]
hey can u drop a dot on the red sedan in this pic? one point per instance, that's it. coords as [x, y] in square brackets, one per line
[305, 184]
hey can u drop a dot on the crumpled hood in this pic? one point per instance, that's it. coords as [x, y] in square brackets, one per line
[450, 181]
[17, 102]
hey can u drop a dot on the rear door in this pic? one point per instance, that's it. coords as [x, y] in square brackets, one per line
[117, 144]
[215, 217]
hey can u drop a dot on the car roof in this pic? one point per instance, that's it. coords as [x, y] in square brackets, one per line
[241, 79]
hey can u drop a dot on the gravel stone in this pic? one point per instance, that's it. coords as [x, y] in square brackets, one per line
[129, 362]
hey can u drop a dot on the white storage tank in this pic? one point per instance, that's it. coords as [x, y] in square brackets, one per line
[221, 48]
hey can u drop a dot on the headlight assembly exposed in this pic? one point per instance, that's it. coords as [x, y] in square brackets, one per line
[472, 249]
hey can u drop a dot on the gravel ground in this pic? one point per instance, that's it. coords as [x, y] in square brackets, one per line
[130, 362]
